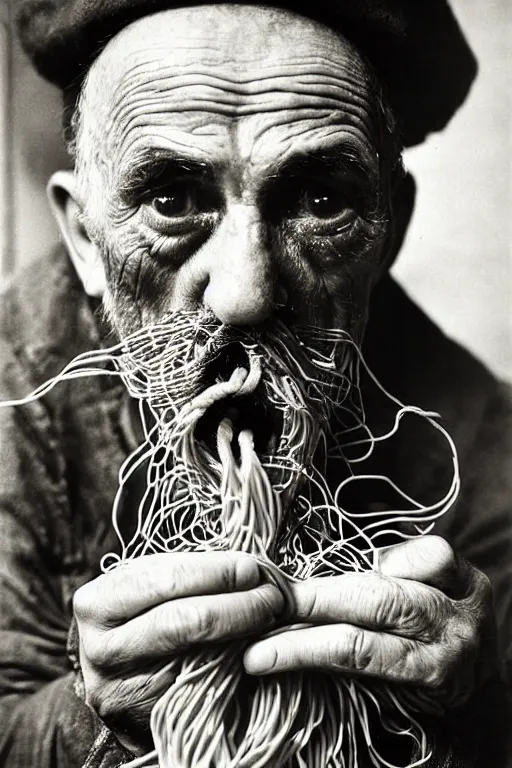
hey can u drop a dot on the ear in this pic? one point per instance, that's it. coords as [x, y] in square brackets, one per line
[61, 191]
[403, 196]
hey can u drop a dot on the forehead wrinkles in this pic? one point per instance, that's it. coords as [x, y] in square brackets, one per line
[313, 78]
[136, 90]
[156, 99]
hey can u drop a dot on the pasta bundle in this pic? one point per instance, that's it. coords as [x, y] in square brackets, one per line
[213, 483]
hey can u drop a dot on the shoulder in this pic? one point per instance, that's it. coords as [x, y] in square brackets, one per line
[45, 318]
[422, 366]
[59, 454]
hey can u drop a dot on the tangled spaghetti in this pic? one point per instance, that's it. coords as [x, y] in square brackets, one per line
[213, 483]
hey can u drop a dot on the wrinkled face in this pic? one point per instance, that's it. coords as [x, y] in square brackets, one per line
[228, 158]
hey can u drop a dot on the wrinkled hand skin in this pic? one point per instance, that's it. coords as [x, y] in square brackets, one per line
[423, 619]
[133, 621]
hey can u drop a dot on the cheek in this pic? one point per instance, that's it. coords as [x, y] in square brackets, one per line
[349, 302]
[328, 282]
[139, 285]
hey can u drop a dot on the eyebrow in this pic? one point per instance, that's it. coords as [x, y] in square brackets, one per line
[152, 169]
[332, 160]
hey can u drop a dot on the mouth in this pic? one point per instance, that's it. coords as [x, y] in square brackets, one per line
[245, 412]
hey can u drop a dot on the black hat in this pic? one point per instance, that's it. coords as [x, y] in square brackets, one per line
[416, 46]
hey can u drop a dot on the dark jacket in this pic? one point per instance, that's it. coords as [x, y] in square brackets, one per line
[59, 459]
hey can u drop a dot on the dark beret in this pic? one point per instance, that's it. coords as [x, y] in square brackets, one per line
[416, 46]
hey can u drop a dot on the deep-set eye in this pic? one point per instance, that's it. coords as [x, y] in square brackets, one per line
[324, 203]
[177, 201]
[184, 198]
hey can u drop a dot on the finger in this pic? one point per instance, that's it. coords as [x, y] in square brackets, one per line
[429, 559]
[370, 600]
[175, 626]
[130, 589]
[346, 649]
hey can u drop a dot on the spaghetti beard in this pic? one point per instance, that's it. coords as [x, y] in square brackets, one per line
[276, 506]
[273, 501]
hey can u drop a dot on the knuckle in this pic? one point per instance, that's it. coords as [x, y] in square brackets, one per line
[439, 671]
[356, 650]
[465, 644]
[408, 666]
[85, 601]
[476, 611]
[392, 603]
[466, 633]
[97, 648]
[308, 601]
[267, 602]
[236, 571]
[398, 610]
[177, 579]
[104, 699]
[163, 577]
[436, 679]
[432, 616]
[192, 623]
[148, 579]
[449, 667]
[461, 635]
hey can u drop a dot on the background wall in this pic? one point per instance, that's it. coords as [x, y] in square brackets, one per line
[457, 260]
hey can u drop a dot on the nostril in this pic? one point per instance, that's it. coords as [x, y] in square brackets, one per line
[281, 297]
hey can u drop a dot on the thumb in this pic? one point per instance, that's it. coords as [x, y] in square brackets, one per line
[429, 559]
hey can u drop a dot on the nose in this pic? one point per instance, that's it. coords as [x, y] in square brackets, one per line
[241, 277]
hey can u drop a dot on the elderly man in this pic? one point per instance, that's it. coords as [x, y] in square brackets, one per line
[244, 161]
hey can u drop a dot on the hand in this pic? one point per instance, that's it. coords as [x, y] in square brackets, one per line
[131, 621]
[424, 619]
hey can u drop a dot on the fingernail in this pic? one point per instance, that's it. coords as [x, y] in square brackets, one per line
[247, 573]
[260, 659]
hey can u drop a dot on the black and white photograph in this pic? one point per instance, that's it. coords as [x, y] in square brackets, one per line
[255, 384]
